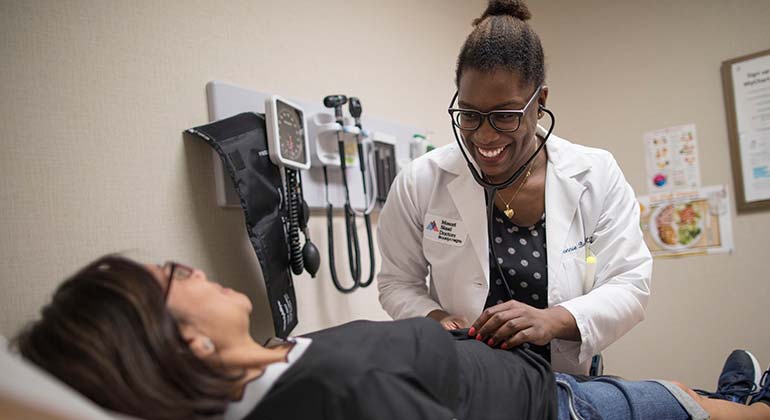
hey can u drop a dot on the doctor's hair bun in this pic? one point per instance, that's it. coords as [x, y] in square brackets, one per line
[514, 8]
[503, 40]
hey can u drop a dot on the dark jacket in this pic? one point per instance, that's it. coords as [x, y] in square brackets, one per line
[410, 369]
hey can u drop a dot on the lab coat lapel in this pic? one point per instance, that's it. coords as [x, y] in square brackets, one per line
[562, 197]
[468, 198]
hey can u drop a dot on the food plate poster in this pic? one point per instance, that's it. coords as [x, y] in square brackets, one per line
[693, 222]
[672, 159]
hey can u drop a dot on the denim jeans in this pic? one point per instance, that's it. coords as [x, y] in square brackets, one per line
[616, 399]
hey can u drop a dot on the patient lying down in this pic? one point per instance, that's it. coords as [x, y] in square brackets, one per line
[165, 342]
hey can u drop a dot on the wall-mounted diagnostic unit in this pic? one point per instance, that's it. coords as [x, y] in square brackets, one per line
[391, 139]
[326, 160]
[288, 149]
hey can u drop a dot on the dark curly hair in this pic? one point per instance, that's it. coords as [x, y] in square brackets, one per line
[502, 39]
[108, 334]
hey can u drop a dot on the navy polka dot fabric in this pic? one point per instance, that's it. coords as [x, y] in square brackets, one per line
[521, 254]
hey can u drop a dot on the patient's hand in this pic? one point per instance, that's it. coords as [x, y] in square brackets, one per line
[454, 322]
[449, 321]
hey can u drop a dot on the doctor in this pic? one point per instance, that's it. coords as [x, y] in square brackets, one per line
[562, 266]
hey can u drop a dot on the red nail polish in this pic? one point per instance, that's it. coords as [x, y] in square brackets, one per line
[478, 337]
[472, 332]
[504, 346]
[491, 342]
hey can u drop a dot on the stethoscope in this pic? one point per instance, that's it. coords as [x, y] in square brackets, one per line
[351, 232]
[490, 189]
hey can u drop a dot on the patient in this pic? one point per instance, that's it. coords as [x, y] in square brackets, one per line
[164, 342]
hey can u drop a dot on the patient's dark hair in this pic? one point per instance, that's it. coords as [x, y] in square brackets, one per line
[502, 39]
[107, 334]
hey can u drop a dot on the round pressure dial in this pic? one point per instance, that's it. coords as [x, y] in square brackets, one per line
[291, 134]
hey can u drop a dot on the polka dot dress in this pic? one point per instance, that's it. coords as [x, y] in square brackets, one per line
[521, 254]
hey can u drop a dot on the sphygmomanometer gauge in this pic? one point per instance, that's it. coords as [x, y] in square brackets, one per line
[288, 144]
[291, 132]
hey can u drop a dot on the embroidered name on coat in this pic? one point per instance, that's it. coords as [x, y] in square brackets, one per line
[587, 241]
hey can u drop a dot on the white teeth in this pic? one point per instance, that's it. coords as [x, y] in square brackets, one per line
[490, 153]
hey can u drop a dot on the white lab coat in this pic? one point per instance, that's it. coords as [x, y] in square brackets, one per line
[590, 211]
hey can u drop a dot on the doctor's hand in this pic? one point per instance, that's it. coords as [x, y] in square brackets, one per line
[513, 323]
[449, 321]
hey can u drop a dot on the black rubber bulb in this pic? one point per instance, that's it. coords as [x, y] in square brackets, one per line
[311, 258]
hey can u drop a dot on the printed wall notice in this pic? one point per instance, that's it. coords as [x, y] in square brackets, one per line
[751, 87]
[687, 222]
[672, 159]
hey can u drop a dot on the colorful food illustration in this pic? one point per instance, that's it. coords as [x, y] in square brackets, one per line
[677, 225]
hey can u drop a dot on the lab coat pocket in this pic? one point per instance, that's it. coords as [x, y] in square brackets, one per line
[589, 277]
[454, 270]
[574, 269]
[446, 258]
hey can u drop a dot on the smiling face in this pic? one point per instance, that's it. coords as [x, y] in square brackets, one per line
[499, 154]
[203, 306]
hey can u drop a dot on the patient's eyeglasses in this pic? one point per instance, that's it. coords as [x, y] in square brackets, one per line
[176, 271]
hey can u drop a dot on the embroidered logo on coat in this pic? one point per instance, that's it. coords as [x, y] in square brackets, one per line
[445, 231]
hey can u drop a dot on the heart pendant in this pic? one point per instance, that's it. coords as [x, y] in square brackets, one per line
[508, 213]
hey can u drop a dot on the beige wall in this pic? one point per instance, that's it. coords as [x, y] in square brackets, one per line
[617, 69]
[94, 96]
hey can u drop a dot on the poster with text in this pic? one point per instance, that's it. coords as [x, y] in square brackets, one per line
[751, 87]
[672, 159]
[694, 222]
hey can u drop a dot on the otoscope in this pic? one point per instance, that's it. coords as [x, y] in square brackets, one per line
[354, 106]
[490, 189]
[354, 254]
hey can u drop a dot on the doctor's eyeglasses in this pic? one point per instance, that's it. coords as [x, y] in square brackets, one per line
[175, 271]
[506, 120]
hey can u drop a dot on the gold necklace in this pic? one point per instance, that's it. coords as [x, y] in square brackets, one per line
[509, 212]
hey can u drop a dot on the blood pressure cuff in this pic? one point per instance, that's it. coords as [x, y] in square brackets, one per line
[241, 142]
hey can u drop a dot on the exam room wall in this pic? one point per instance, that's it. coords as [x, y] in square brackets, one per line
[94, 97]
[617, 69]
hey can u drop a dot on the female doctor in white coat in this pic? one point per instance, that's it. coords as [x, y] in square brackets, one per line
[571, 272]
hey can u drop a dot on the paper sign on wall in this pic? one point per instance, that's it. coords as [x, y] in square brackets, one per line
[751, 84]
[687, 222]
[672, 159]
